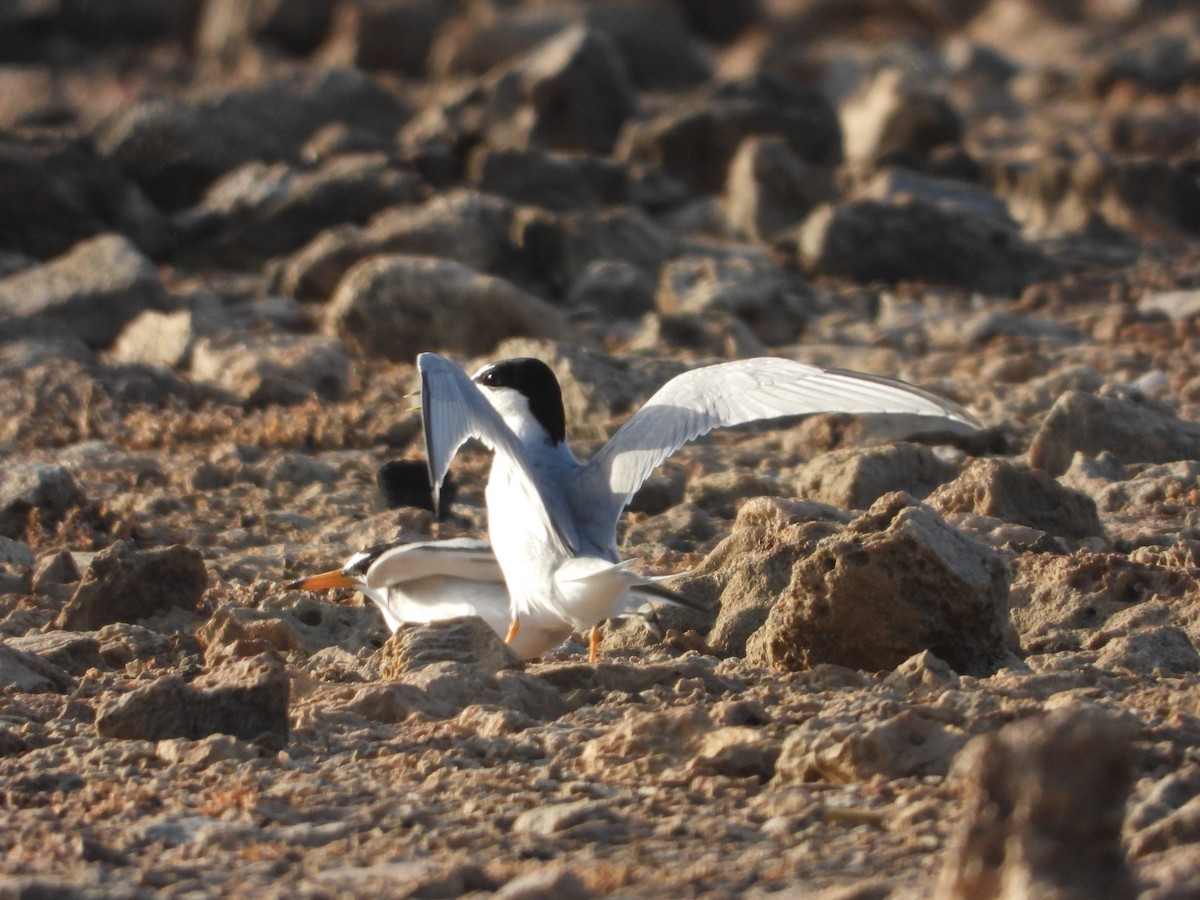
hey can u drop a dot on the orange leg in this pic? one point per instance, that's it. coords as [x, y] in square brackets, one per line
[594, 643]
[512, 631]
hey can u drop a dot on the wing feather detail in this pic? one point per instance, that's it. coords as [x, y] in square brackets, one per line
[454, 410]
[737, 393]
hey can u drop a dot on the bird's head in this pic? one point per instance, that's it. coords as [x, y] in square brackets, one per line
[526, 394]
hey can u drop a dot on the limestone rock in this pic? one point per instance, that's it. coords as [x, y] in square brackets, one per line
[770, 188]
[1044, 800]
[896, 581]
[124, 584]
[993, 487]
[917, 241]
[274, 368]
[769, 299]
[42, 489]
[28, 673]
[96, 288]
[895, 117]
[570, 93]
[399, 306]
[246, 699]
[468, 640]
[1132, 432]
[856, 478]
[695, 142]
[910, 743]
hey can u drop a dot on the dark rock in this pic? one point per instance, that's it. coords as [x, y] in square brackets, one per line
[96, 288]
[570, 93]
[769, 188]
[15, 553]
[1161, 63]
[614, 289]
[124, 584]
[262, 210]
[1060, 195]
[28, 673]
[383, 35]
[469, 640]
[260, 370]
[405, 482]
[619, 233]
[246, 699]
[1044, 801]
[397, 306]
[652, 38]
[768, 298]
[896, 184]
[474, 229]
[897, 118]
[895, 581]
[56, 192]
[175, 148]
[1132, 432]
[555, 181]
[696, 141]
[855, 478]
[920, 242]
[41, 489]
[227, 29]
[994, 487]
[718, 20]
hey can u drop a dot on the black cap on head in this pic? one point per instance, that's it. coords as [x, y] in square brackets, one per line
[535, 380]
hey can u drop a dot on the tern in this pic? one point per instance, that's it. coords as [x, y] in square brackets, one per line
[552, 521]
[429, 581]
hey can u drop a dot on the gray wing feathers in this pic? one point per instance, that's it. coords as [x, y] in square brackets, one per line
[453, 411]
[737, 393]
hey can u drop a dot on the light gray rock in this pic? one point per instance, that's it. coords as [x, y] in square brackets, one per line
[397, 306]
[30, 674]
[273, 368]
[1165, 650]
[95, 289]
[45, 490]
[1132, 432]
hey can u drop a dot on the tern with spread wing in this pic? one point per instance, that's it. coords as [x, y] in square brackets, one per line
[430, 581]
[553, 520]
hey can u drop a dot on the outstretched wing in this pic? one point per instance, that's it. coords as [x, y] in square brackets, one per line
[736, 393]
[453, 410]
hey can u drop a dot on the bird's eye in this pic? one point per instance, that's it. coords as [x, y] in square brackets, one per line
[488, 378]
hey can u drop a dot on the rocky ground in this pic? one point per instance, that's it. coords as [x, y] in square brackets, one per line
[933, 663]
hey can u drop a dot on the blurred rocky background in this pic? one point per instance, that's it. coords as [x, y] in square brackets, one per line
[933, 664]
